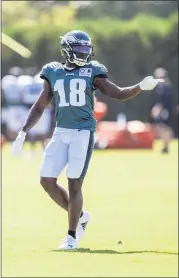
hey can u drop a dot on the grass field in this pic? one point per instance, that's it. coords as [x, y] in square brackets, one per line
[133, 197]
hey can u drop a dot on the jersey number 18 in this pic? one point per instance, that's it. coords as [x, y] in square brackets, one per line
[77, 92]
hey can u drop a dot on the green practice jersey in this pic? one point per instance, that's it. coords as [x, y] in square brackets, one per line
[73, 92]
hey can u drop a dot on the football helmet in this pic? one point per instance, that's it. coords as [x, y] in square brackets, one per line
[77, 48]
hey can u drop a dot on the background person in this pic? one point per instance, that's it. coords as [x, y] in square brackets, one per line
[162, 109]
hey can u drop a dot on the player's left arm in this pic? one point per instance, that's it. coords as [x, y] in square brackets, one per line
[123, 93]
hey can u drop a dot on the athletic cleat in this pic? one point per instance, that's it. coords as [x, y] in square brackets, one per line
[69, 243]
[82, 224]
[165, 150]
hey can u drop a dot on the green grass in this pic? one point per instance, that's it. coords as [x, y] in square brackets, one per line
[133, 197]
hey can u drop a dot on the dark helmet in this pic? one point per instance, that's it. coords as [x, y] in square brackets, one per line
[77, 48]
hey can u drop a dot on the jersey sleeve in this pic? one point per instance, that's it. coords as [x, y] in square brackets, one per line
[45, 73]
[48, 70]
[99, 70]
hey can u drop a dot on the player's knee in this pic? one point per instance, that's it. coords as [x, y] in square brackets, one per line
[75, 187]
[47, 183]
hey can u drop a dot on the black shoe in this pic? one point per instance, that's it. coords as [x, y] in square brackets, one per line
[165, 150]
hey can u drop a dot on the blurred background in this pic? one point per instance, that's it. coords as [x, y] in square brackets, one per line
[131, 38]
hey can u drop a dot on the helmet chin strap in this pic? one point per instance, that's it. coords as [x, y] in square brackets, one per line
[79, 62]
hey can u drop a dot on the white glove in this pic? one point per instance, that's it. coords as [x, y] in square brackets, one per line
[18, 143]
[149, 83]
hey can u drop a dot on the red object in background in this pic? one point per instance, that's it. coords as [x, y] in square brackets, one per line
[136, 135]
[3, 140]
[100, 110]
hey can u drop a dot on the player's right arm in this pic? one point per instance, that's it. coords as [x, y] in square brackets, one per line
[34, 115]
[37, 109]
[101, 81]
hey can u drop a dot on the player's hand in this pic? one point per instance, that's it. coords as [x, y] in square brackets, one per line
[149, 83]
[18, 143]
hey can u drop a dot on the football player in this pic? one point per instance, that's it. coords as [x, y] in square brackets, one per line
[72, 86]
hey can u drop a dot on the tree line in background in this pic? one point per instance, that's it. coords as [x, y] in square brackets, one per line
[126, 9]
[130, 38]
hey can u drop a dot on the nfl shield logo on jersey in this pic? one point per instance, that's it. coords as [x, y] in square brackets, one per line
[85, 72]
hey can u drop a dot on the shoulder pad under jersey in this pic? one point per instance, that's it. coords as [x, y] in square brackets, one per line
[99, 69]
[49, 68]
